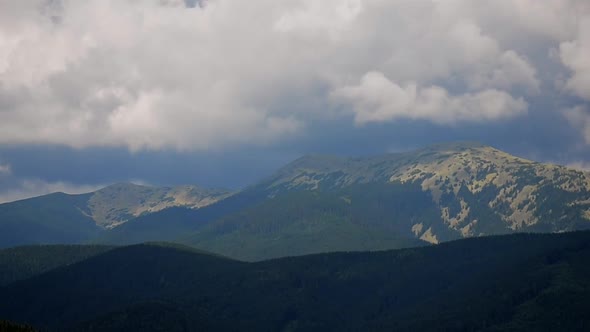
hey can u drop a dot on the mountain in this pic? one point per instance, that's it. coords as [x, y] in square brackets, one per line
[63, 218]
[522, 282]
[327, 203]
[478, 190]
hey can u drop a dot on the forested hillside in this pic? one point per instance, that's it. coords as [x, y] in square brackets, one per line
[500, 283]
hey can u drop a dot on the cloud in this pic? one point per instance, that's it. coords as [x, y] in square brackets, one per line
[575, 55]
[5, 169]
[13, 187]
[511, 70]
[579, 165]
[579, 118]
[377, 99]
[200, 75]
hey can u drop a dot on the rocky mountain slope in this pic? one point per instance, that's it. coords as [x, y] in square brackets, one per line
[477, 189]
[118, 203]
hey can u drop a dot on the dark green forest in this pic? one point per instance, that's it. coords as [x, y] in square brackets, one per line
[357, 218]
[502, 283]
[24, 262]
[6, 326]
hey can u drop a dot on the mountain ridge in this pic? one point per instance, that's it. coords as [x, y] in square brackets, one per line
[322, 203]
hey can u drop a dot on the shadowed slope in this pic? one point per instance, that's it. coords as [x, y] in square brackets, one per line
[24, 262]
[539, 282]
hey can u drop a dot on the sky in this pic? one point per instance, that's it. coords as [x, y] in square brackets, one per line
[220, 93]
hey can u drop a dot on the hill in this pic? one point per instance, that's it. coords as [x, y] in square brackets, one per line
[24, 262]
[501, 283]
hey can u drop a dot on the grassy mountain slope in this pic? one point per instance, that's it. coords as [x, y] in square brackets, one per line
[55, 218]
[24, 262]
[516, 282]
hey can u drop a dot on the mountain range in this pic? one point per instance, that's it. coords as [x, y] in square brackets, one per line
[323, 204]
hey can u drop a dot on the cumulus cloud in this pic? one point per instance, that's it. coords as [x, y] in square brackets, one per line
[158, 74]
[377, 99]
[575, 55]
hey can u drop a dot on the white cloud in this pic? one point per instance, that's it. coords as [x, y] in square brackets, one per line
[524, 22]
[575, 55]
[5, 169]
[153, 74]
[28, 188]
[377, 99]
[328, 16]
[511, 70]
[579, 118]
